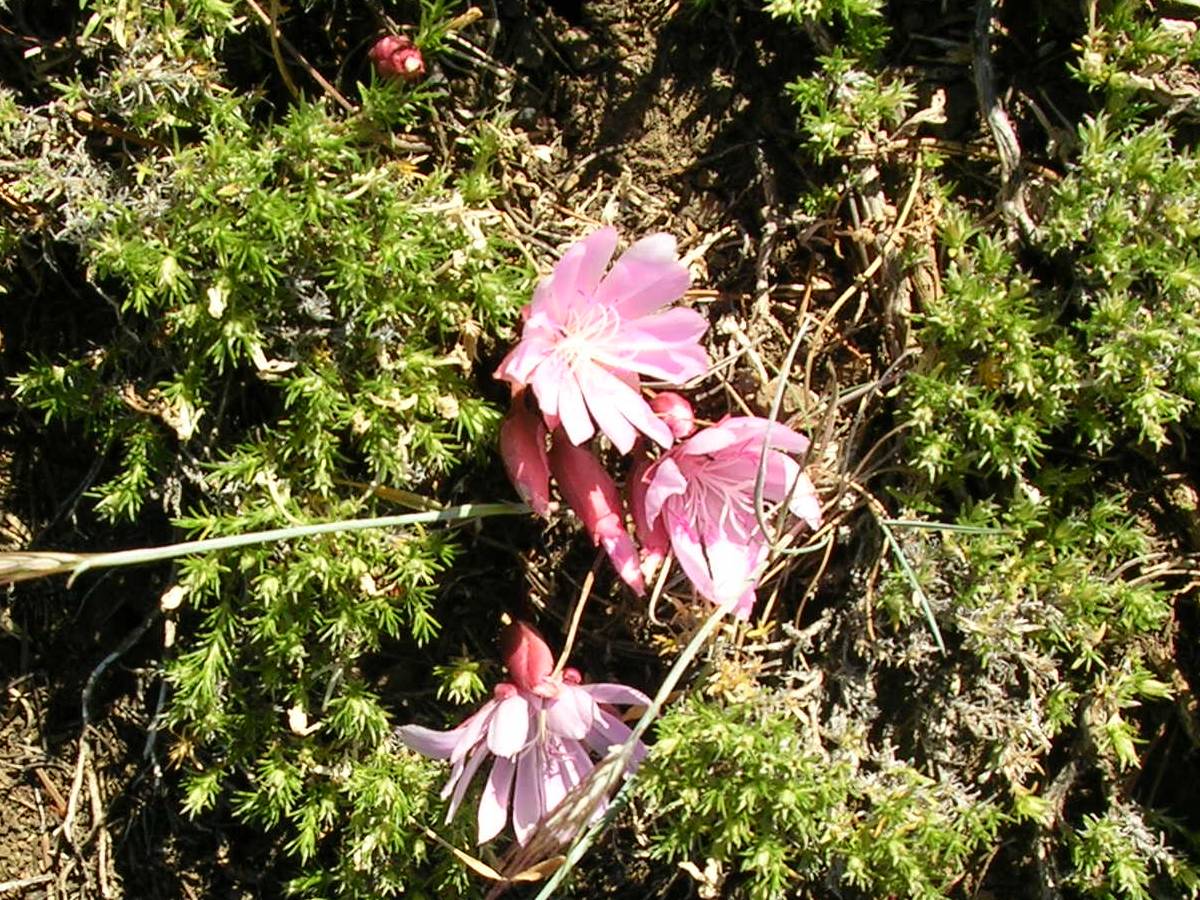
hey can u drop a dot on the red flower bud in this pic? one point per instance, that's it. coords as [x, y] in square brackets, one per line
[676, 412]
[591, 492]
[395, 56]
[526, 655]
[523, 449]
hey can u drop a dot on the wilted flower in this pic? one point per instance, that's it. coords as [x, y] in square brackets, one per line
[676, 412]
[539, 728]
[591, 492]
[589, 335]
[702, 490]
[523, 449]
[395, 56]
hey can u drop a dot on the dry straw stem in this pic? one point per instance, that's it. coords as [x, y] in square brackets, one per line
[27, 564]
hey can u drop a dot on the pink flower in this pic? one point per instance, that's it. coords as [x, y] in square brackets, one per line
[703, 491]
[676, 412]
[539, 730]
[523, 449]
[591, 492]
[589, 335]
[396, 56]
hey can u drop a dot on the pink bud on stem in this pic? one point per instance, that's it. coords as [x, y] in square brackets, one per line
[395, 56]
[523, 449]
[676, 412]
[591, 492]
[526, 655]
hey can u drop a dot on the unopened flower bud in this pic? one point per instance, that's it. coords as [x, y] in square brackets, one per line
[591, 492]
[526, 655]
[395, 56]
[523, 449]
[676, 412]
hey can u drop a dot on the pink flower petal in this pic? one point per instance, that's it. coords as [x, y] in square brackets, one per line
[572, 411]
[744, 605]
[688, 550]
[427, 742]
[666, 481]
[618, 694]
[623, 554]
[665, 346]
[805, 504]
[572, 713]
[472, 730]
[547, 381]
[606, 388]
[518, 366]
[529, 801]
[608, 417]
[739, 430]
[734, 567]
[566, 764]
[493, 804]
[646, 277]
[464, 781]
[611, 731]
[510, 726]
[578, 272]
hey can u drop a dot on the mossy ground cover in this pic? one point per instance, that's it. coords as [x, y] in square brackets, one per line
[248, 284]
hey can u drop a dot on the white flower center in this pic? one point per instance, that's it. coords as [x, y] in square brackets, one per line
[585, 332]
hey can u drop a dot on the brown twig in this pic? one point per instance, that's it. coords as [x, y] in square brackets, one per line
[273, 30]
[305, 64]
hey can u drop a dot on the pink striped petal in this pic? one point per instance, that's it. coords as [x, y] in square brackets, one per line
[464, 781]
[493, 804]
[578, 272]
[646, 277]
[607, 415]
[562, 771]
[606, 388]
[740, 429]
[572, 411]
[688, 550]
